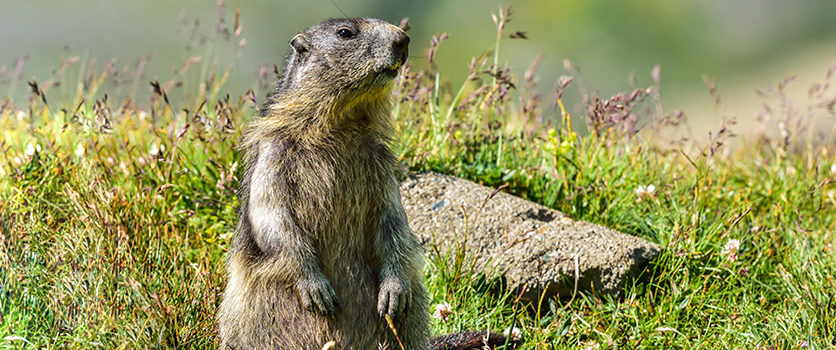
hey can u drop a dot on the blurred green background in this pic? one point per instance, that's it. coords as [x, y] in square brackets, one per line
[739, 44]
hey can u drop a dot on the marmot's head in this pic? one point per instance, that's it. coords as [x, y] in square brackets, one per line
[339, 74]
[348, 56]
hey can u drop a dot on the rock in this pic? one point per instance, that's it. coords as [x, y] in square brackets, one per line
[531, 245]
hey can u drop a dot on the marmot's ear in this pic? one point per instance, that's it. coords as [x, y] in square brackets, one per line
[300, 43]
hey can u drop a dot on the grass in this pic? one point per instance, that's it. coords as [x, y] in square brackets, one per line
[115, 214]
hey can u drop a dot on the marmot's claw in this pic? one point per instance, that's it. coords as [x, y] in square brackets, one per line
[393, 297]
[317, 295]
[382, 303]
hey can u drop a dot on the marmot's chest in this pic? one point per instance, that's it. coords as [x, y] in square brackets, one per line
[346, 190]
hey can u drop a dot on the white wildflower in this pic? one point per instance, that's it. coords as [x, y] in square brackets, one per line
[21, 115]
[32, 148]
[221, 184]
[645, 191]
[156, 150]
[143, 115]
[783, 129]
[79, 150]
[590, 345]
[12, 338]
[833, 170]
[731, 249]
[442, 312]
[513, 333]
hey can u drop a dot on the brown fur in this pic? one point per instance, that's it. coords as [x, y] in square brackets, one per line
[322, 248]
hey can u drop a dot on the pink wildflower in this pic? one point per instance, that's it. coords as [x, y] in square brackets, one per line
[731, 249]
[442, 312]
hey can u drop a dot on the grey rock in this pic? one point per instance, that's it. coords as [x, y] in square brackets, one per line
[534, 247]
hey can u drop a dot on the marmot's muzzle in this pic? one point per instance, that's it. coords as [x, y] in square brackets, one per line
[400, 49]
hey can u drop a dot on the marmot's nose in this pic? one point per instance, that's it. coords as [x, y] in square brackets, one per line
[401, 45]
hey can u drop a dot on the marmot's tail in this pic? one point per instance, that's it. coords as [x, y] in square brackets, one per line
[471, 341]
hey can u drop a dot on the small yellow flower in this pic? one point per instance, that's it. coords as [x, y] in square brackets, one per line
[566, 146]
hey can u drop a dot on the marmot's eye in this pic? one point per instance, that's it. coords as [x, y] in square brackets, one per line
[345, 33]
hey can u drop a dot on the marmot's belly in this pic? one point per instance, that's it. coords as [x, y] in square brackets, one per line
[355, 326]
[273, 317]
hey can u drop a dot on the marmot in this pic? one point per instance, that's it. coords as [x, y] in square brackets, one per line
[322, 249]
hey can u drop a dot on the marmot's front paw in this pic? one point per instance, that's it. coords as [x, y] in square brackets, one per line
[394, 295]
[316, 292]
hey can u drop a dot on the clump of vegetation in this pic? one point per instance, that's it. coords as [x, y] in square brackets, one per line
[115, 213]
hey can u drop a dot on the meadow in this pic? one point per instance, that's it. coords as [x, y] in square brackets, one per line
[117, 203]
